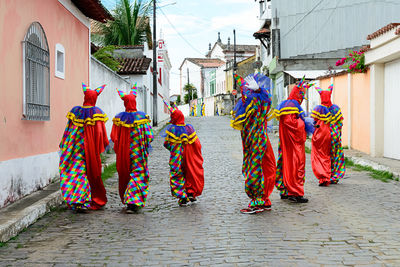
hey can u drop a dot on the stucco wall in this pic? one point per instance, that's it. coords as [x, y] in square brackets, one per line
[185, 109]
[360, 107]
[209, 106]
[28, 150]
[109, 100]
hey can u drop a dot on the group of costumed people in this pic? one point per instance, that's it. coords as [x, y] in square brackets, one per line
[85, 138]
[260, 170]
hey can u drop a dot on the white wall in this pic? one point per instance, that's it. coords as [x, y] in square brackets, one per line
[109, 100]
[194, 77]
[209, 106]
[185, 109]
[26, 175]
[220, 80]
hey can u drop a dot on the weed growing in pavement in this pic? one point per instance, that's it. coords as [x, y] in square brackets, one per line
[103, 158]
[307, 149]
[384, 176]
[109, 171]
[3, 244]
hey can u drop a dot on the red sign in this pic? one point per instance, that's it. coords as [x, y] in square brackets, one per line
[234, 92]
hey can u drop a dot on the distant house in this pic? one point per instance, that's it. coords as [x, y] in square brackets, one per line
[45, 57]
[196, 71]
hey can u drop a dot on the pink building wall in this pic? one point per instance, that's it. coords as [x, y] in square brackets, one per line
[22, 138]
[360, 107]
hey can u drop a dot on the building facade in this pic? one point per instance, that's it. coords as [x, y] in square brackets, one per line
[45, 53]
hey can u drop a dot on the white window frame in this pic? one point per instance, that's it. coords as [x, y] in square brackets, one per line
[59, 49]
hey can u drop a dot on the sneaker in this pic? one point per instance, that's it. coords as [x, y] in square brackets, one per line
[132, 208]
[248, 211]
[267, 207]
[259, 209]
[183, 202]
[326, 183]
[284, 197]
[192, 198]
[298, 199]
[81, 209]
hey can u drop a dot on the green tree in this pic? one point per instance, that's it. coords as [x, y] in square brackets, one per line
[105, 55]
[130, 25]
[191, 92]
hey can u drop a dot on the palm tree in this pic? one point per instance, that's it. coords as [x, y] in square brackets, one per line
[130, 25]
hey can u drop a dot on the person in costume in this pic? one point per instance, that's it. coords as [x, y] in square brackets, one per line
[186, 160]
[327, 158]
[250, 116]
[132, 135]
[290, 174]
[84, 139]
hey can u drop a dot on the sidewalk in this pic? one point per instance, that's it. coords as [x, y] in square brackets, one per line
[19, 215]
[380, 163]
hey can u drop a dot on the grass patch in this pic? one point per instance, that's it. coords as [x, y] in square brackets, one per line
[109, 171]
[384, 176]
[307, 149]
[346, 147]
[103, 158]
[3, 244]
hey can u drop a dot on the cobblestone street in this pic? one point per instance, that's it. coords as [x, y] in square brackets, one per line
[356, 222]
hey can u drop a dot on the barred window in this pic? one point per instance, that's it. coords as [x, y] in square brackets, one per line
[36, 69]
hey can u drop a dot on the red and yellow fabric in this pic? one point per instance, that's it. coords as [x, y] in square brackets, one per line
[132, 135]
[250, 117]
[84, 139]
[290, 175]
[186, 159]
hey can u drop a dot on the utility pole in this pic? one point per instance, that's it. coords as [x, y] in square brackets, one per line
[234, 60]
[155, 93]
[188, 82]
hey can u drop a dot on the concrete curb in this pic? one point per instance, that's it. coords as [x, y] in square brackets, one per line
[15, 218]
[366, 162]
[29, 215]
[26, 211]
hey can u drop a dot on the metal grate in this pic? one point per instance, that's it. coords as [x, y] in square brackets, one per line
[37, 74]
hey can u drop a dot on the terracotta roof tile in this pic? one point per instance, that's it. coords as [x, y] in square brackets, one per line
[365, 48]
[207, 62]
[383, 30]
[262, 33]
[93, 9]
[134, 65]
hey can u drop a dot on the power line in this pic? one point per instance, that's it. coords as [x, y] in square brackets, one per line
[322, 27]
[183, 38]
[298, 23]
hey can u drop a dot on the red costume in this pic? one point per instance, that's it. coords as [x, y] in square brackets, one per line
[186, 160]
[132, 134]
[84, 139]
[327, 158]
[292, 137]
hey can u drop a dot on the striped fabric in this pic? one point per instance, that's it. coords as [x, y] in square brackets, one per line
[137, 189]
[338, 167]
[177, 180]
[74, 184]
[279, 174]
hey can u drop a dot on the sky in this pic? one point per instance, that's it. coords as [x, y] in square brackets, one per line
[188, 26]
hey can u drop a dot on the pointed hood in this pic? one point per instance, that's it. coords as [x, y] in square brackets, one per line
[326, 96]
[91, 95]
[129, 99]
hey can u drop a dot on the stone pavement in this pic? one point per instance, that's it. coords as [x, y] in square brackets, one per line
[356, 222]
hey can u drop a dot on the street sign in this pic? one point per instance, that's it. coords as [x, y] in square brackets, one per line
[234, 92]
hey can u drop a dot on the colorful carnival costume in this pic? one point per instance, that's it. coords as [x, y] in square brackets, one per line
[132, 134]
[327, 158]
[290, 173]
[186, 160]
[84, 139]
[250, 116]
